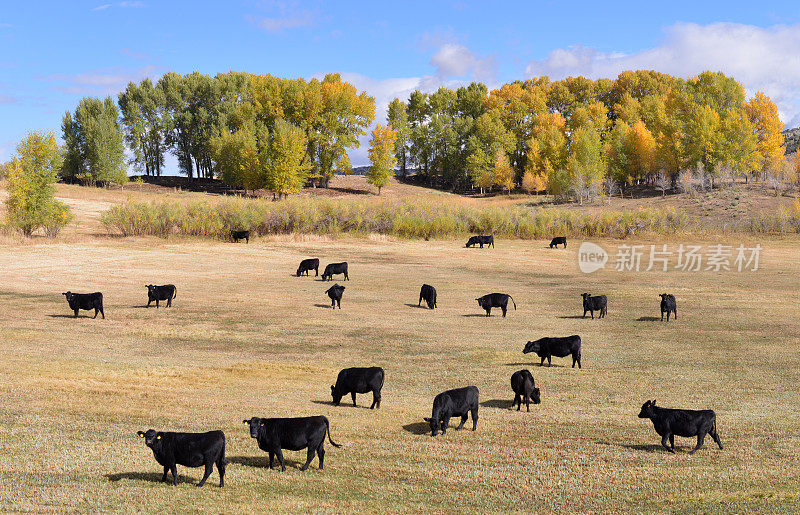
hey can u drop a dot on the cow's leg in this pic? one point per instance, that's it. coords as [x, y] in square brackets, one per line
[549, 360]
[164, 477]
[279, 454]
[174, 468]
[271, 457]
[541, 364]
[346, 277]
[310, 456]
[321, 454]
[209, 469]
[333, 303]
[700, 438]
[527, 402]
[715, 436]
[463, 421]
[592, 313]
[148, 302]
[672, 441]
[96, 311]
[475, 418]
[169, 302]
[665, 441]
[675, 314]
[102, 313]
[584, 312]
[221, 470]
[579, 361]
[574, 360]
[420, 301]
[488, 312]
[504, 310]
[353, 394]
[662, 316]
[516, 401]
[157, 306]
[376, 399]
[76, 313]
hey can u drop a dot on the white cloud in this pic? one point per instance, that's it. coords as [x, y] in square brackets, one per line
[763, 59]
[101, 7]
[455, 60]
[133, 4]
[108, 81]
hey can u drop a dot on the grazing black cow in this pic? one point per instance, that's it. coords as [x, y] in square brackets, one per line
[480, 240]
[524, 389]
[495, 300]
[240, 235]
[307, 265]
[335, 293]
[187, 449]
[668, 304]
[681, 422]
[275, 434]
[359, 380]
[592, 304]
[559, 347]
[157, 293]
[428, 294]
[85, 301]
[335, 268]
[558, 240]
[459, 402]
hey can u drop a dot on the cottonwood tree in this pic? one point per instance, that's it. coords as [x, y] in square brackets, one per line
[144, 122]
[397, 116]
[382, 156]
[93, 139]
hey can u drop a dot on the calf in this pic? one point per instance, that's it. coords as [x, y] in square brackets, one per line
[559, 347]
[307, 265]
[85, 301]
[681, 422]
[335, 293]
[428, 294]
[459, 402]
[667, 305]
[558, 240]
[524, 389]
[592, 304]
[157, 293]
[358, 380]
[335, 268]
[187, 449]
[481, 240]
[240, 235]
[495, 300]
[275, 434]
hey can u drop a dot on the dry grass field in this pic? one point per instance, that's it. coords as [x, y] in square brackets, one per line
[244, 337]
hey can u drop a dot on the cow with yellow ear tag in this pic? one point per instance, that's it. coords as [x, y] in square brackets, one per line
[187, 449]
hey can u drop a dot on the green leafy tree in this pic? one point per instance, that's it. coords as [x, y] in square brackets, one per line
[397, 116]
[287, 171]
[382, 157]
[93, 139]
[586, 165]
[143, 108]
[31, 174]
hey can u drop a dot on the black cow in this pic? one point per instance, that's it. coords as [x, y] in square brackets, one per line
[85, 301]
[307, 265]
[558, 240]
[335, 268]
[495, 300]
[480, 240]
[459, 402]
[187, 449]
[668, 304]
[592, 304]
[559, 347]
[240, 235]
[428, 294]
[275, 434]
[358, 380]
[335, 293]
[524, 389]
[157, 293]
[681, 422]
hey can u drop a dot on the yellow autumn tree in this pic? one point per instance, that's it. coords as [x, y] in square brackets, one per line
[532, 182]
[641, 151]
[764, 114]
[503, 171]
[382, 156]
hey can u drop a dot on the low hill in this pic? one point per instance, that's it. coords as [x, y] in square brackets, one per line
[791, 137]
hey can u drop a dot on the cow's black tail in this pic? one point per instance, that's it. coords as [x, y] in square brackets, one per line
[328, 430]
[512, 301]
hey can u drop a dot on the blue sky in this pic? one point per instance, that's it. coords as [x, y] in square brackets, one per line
[54, 53]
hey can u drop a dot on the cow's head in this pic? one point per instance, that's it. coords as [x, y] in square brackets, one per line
[481, 301]
[663, 296]
[434, 424]
[533, 347]
[69, 295]
[585, 296]
[150, 287]
[299, 270]
[337, 397]
[255, 424]
[537, 398]
[647, 409]
[151, 436]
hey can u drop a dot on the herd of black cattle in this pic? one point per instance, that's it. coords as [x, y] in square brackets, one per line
[275, 434]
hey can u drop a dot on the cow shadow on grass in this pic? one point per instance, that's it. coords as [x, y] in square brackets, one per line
[648, 319]
[482, 315]
[497, 403]
[142, 306]
[262, 462]
[152, 477]
[71, 316]
[650, 447]
[416, 306]
[418, 428]
[573, 317]
[326, 306]
[532, 364]
[341, 404]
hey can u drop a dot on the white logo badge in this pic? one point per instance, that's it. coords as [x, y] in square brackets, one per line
[591, 257]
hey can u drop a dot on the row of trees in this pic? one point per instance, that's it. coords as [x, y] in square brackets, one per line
[571, 136]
